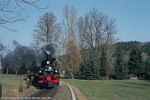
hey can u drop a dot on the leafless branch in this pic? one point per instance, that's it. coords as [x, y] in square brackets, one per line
[96, 29]
[47, 30]
[12, 11]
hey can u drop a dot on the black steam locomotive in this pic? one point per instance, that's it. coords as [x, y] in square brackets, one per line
[47, 74]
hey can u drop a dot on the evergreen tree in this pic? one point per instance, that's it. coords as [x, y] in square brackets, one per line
[125, 72]
[127, 46]
[103, 62]
[141, 67]
[120, 70]
[146, 48]
[135, 63]
[88, 74]
[147, 69]
[147, 72]
[96, 69]
[82, 70]
[83, 66]
[91, 68]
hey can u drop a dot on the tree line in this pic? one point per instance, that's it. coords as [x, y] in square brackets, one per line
[88, 46]
[136, 66]
[136, 58]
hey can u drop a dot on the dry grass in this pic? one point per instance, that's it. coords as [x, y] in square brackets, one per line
[78, 94]
[10, 86]
[15, 92]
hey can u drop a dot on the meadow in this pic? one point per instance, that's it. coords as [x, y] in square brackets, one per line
[112, 89]
[10, 86]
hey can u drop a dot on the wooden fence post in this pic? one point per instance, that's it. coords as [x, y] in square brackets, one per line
[21, 86]
[27, 83]
[0, 91]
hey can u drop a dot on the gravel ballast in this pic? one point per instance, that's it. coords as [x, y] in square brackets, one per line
[63, 93]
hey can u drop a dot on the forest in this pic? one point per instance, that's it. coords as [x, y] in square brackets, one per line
[129, 59]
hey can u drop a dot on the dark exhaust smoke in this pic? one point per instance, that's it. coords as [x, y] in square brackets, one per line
[50, 49]
[18, 56]
[26, 55]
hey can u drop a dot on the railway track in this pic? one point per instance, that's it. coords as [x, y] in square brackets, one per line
[61, 92]
[43, 94]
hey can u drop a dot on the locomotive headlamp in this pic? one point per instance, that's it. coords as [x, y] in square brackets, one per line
[56, 71]
[50, 68]
[47, 62]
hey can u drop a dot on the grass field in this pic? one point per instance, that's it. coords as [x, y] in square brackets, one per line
[112, 89]
[9, 83]
[10, 86]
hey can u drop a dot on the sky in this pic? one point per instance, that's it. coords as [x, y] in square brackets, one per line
[132, 18]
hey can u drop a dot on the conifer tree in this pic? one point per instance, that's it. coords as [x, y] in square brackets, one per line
[103, 62]
[125, 72]
[147, 69]
[96, 69]
[135, 63]
[88, 74]
[91, 68]
[120, 70]
[141, 67]
[82, 71]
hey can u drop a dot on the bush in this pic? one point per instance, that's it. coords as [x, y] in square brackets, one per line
[67, 75]
[111, 76]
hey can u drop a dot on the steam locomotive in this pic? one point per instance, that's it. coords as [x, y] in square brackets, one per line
[47, 75]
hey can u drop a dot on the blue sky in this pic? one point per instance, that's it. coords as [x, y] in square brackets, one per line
[132, 18]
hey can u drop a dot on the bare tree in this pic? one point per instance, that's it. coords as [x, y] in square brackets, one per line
[47, 29]
[12, 11]
[81, 31]
[97, 30]
[70, 22]
[72, 58]
[69, 26]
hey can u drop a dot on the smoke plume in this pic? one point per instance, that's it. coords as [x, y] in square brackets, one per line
[27, 55]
